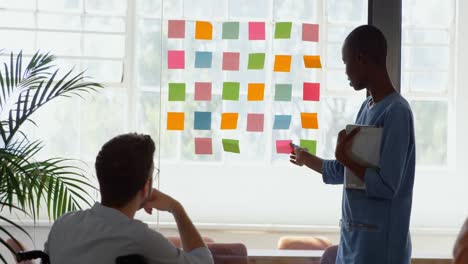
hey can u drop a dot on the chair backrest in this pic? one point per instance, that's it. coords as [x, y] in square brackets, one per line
[131, 259]
[303, 243]
[329, 255]
[228, 253]
[33, 254]
[37, 254]
[177, 242]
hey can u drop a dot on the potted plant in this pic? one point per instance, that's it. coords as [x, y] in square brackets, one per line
[26, 183]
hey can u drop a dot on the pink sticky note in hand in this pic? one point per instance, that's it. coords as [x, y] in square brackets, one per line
[310, 32]
[176, 29]
[203, 146]
[256, 30]
[284, 146]
[311, 92]
[255, 122]
[202, 91]
[175, 59]
[231, 61]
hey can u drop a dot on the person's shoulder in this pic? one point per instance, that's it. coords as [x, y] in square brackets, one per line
[70, 218]
[463, 235]
[460, 250]
[399, 106]
[65, 224]
[401, 102]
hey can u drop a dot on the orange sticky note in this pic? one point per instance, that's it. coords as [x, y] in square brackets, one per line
[229, 120]
[256, 92]
[312, 62]
[175, 120]
[309, 120]
[203, 30]
[282, 63]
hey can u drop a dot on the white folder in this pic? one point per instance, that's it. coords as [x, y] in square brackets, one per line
[365, 150]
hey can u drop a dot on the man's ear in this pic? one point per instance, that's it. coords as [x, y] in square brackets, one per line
[148, 186]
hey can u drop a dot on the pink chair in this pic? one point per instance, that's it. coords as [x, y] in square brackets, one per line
[18, 248]
[303, 243]
[175, 240]
[229, 253]
[329, 256]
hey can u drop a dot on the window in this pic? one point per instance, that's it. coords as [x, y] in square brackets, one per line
[428, 76]
[433, 82]
[75, 31]
[124, 45]
[232, 187]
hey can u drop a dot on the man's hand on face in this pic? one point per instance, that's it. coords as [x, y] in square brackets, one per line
[160, 201]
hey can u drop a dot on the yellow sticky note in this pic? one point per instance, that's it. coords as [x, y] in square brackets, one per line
[312, 62]
[203, 30]
[256, 92]
[229, 120]
[282, 63]
[309, 120]
[175, 121]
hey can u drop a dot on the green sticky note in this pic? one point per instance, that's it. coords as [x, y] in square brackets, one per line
[283, 92]
[230, 30]
[231, 145]
[176, 91]
[231, 91]
[310, 145]
[283, 30]
[256, 61]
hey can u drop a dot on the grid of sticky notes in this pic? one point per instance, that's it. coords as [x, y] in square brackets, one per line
[230, 61]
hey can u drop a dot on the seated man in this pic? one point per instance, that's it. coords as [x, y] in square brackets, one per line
[460, 251]
[124, 169]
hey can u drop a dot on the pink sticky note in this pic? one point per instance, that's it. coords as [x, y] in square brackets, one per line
[311, 91]
[256, 30]
[176, 29]
[310, 32]
[203, 146]
[175, 59]
[283, 146]
[255, 122]
[231, 61]
[202, 91]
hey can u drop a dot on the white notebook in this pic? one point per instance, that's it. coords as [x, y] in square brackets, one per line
[365, 150]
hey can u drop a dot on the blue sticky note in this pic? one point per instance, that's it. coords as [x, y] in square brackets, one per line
[282, 122]
[202, 121]
[203, 59]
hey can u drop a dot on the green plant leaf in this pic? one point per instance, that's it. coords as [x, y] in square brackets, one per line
[27, 183]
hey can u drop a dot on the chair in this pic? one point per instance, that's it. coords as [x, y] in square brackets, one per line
[23, 256]
[329, 256]
[222, 254]
[303, 243]
[228, 253]
[131, 259]
[175, 240]
[37, 254]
